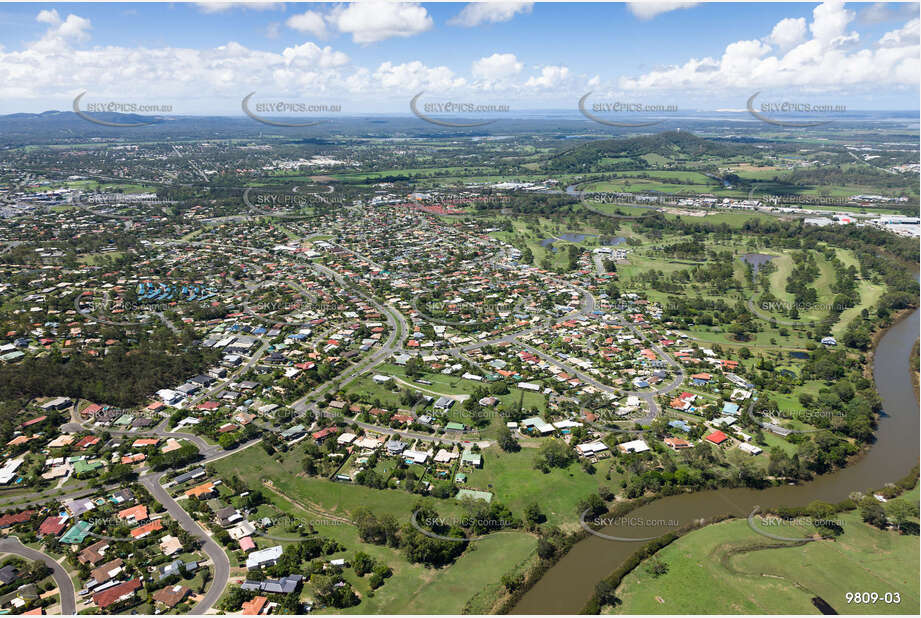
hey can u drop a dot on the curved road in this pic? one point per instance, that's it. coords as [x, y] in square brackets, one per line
[68, 595]
[218, 557]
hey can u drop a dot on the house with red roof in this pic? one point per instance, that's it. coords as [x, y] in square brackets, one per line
[142, 531]
[53, 524]
[121, 592]
[717, 437]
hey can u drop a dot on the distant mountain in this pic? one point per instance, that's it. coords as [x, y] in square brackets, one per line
[671, 145]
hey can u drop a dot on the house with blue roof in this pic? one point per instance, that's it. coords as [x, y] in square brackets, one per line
[730, 408]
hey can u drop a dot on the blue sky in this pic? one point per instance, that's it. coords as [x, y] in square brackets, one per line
[373, 56]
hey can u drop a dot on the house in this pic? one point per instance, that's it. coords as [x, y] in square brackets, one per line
[677, 443]
[395, 447]
[717, 437]
[346, 438]
[107, 571]
[79, 506]
[318, 436]
[176, 567]
[751, 449]
[634, 446]
[94, 553]
[247, 544]
[188, 476]
[471, 459]
[77, 533]
[8, 574]
[171, 596]
[227, 515]
[443, 403]
[255, 607]
[12, 519]
[284, 585]
[142, 531]
[679, 424]
[121, 592]
[53, 525]
[241, 530]
[170, 544]
[730, 408]
[263, 557]
[134, 514]
[589, 449]
[205, 490]
[829, 341]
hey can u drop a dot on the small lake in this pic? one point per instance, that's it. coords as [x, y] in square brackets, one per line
[756, 260]
[800, 355]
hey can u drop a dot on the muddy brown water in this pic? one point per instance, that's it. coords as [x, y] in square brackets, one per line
[570, 583]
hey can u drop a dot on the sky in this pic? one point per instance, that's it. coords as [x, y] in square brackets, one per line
[374, 56]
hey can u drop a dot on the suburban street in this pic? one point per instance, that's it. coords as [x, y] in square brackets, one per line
[68, 595]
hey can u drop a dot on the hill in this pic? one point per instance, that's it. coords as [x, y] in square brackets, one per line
[643, 151]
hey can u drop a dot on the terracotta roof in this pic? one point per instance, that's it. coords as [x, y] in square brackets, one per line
[254, 607]
[111, 595]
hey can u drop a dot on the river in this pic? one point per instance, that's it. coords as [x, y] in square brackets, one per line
[569, 584]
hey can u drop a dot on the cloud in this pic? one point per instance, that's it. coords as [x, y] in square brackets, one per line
[788, 32]
[273, 30]
[830, 60]
[414, 76]
[907, 35]
[370, 22]
[648, 10]
[476, 13]
[550, 77]
[829, 22]
[219, 6]
[496, 67]
[311, 22]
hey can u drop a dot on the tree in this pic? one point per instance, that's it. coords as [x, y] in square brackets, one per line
[872, 512]
[506, 440]
[901, 512]
[362, 563]
[533, 514]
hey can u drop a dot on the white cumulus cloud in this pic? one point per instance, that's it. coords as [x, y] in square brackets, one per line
[476, 13]
[370, 22]
[496, 67]
[648, 10]
[310, 22]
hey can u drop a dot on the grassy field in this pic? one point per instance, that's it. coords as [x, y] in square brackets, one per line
[727, 569]
[413, 588]
[511, 477]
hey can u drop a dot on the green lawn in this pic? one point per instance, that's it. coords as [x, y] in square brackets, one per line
[514, 481]
[413, 588]
[728, 569]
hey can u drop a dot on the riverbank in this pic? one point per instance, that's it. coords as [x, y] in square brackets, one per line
[566, 587]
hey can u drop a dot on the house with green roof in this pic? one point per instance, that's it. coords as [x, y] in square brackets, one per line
[83, 466]
[77, 533]
[474, 460]
[453, 426]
